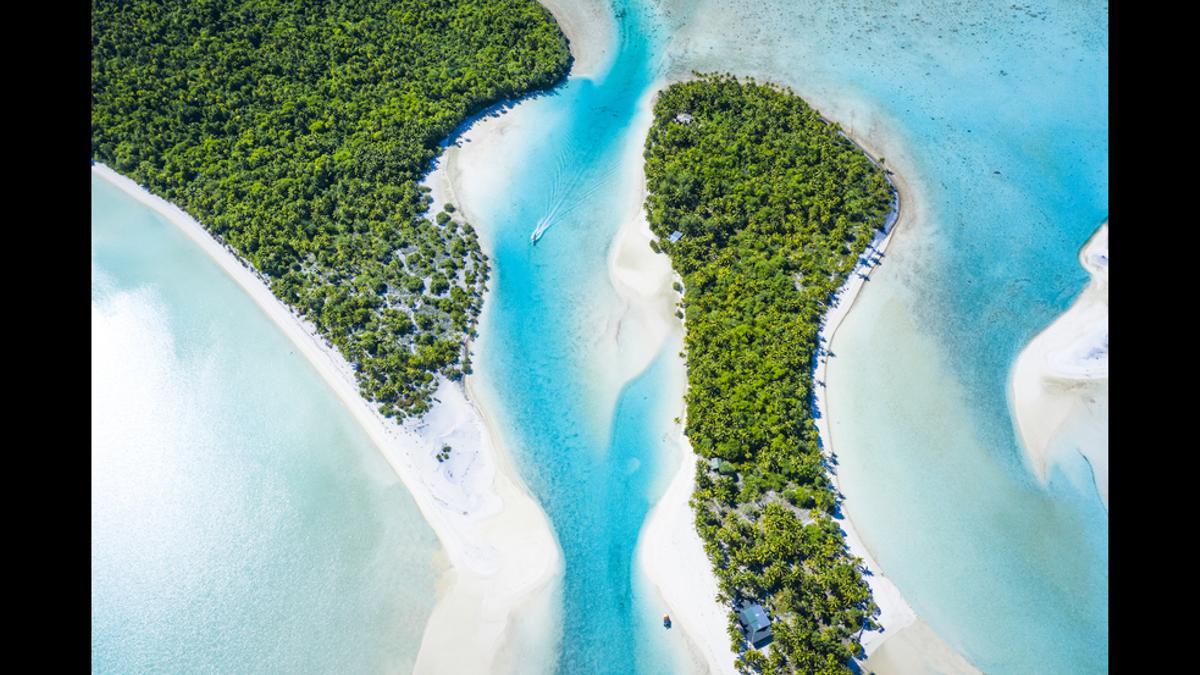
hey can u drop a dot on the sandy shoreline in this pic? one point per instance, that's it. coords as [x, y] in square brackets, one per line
[911, 645]
[589, 28]
[894, 611]
[1058, 389]
[669, 549]
[502, 552]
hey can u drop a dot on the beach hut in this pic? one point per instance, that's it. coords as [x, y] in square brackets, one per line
[754, 623]
[684, 118]
[675, 236]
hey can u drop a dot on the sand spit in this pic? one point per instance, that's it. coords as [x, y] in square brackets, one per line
[503, 555]
[669, 550]
[589, 27]
[1058, 390]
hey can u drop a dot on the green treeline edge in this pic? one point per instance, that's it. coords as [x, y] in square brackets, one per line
[297, 131]
[775, 207]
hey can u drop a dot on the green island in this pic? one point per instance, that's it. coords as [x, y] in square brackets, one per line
[774, 206]
[297, 133]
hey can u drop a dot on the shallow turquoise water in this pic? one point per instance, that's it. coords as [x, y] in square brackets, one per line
[241, 520]
[594, 453]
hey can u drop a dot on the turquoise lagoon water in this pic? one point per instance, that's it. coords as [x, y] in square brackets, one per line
[241, 520]
[595, 452]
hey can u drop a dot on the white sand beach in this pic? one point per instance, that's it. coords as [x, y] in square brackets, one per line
[916, 650]
[921, 649]
[630, 333]
[669, 550]
[503, 555]
[894, 611]
[1058, 390]
[672, 555]
[589, 27]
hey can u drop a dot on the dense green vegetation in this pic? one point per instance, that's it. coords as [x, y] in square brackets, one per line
[775, 207]
[296, 131]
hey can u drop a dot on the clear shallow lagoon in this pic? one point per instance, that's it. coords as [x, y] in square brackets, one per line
[241, 520]
[595, 451]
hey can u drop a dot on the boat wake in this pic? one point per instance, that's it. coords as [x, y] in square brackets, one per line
[566, 198]
[538, 231]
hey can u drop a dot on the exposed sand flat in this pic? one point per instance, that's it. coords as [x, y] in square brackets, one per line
[672, 555]
[641, 278]
[589, 26]
[669, 548]
[917, 650]
[503, 555]
[1059, 384]
[630, 332]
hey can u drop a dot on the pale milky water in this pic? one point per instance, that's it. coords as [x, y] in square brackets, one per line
[241, 521]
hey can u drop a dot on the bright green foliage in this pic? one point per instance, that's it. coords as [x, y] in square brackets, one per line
[296, 131]
[775, 206]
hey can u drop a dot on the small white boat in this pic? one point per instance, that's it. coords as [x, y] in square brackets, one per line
[539, 230]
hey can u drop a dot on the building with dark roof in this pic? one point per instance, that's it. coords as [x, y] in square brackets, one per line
[755, 624]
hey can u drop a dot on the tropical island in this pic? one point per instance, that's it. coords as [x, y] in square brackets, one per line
[764, 209]
[297, 134]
